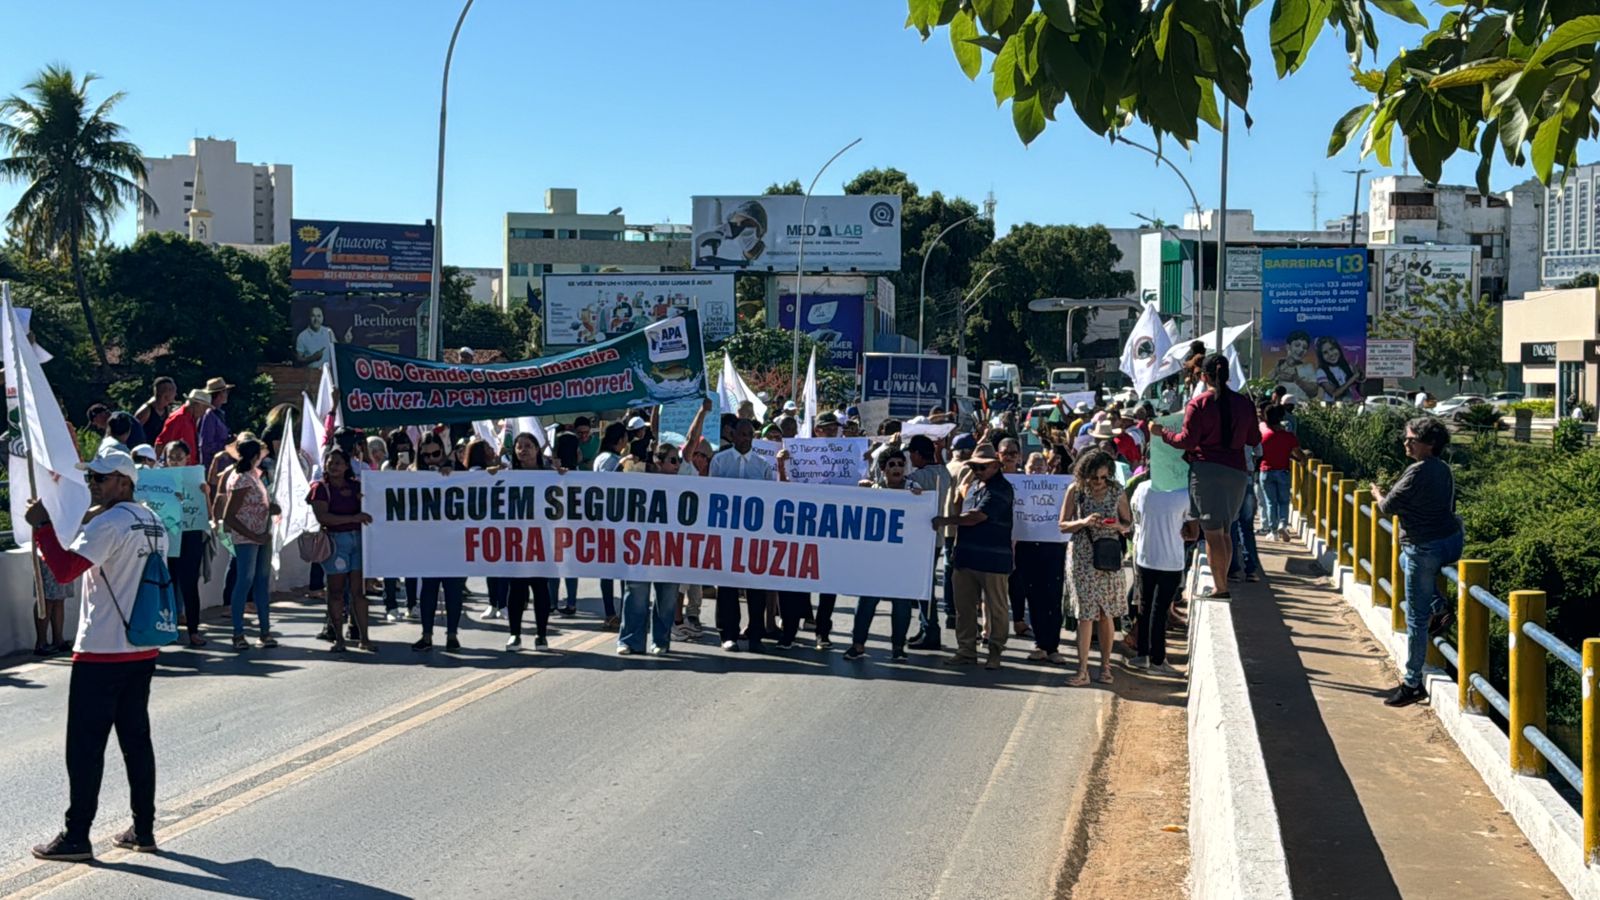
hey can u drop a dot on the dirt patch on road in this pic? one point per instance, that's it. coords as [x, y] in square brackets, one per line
[1131, 838]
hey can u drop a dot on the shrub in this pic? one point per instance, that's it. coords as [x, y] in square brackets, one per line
[1361, 443]
[1541, 409]
[1479, 418]
[1569, 436]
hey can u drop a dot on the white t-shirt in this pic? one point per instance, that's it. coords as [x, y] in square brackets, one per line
[1158, 518]
[116, 542]
[315, 344]
[607, 462]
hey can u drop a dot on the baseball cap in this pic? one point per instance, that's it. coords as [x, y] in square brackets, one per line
[789, 406]
[112, 462]
[144, 451]
[636, 423]
[964, 442]
[827, 418]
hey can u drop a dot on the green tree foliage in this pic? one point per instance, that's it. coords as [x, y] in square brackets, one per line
[764, 357]
[1587, 279]
[478, 325]
[1457, 336]
[176, 307]
[1042, 261]
[1514, 74]
[950, 265]
[792, 186]
[77, 168]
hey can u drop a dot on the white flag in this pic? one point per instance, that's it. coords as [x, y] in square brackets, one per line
[1235, 369]
[530, 426]
[1229, 335]
[733, 390]
[52, 452]
[808, 394]
[485, 430]
[1143, 356]
[313, 435]
[325, 406]
[289, 491]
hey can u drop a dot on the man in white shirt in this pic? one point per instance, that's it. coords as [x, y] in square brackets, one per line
[313, 346]
[737, 460]
[110, 685]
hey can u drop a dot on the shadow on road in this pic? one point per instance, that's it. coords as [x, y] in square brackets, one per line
[249, 878]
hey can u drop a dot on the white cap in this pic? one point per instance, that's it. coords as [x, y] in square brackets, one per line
[144, 451]
[789, 406]
[636, 423]
[466, 351]
[112, 461]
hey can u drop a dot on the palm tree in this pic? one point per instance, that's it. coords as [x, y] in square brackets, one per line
[78, 169]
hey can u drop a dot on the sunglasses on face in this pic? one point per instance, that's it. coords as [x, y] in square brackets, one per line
[97, 477]
[668, 459]
[432, 454]
[1099, 477]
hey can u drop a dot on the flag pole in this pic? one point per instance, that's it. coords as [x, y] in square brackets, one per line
[39, 610]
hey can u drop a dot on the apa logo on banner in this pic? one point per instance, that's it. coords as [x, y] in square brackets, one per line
[1037, 510]
[838, 460]
[669, 340]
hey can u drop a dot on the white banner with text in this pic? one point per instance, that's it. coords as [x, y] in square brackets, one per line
[1037, 513]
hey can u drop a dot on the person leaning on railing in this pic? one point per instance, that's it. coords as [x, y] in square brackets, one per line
[1430, 538]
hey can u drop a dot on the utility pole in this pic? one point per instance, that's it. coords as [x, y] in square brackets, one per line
[1222, 230]
[1355, 208]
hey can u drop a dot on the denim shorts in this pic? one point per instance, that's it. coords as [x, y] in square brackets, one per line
[346, 556]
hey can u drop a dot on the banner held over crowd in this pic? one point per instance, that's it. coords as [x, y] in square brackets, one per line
[649, 528]
[657, 364]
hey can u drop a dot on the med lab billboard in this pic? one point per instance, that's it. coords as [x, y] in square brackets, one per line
[834, 321]
[1314, 321]
[860, 232]
[910, 383]
[337, 257]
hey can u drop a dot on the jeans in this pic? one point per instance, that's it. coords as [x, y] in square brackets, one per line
[255, 568]
[1421, 564]
[572, 594]
[103, 696]
[899, 620]
[185, 569]
[638, 616]
[1157, 590]
[1246, 558]
[455, 590]
[1275, 490]
[1037, 582]
[928, 610]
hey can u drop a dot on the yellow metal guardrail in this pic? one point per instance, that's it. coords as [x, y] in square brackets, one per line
[1347, 521]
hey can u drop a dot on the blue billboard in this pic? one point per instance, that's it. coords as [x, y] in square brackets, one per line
[909, 382]
[336, 257]
[1314, 321]
[835, 321]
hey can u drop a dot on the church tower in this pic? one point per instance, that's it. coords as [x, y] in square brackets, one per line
[199, 215]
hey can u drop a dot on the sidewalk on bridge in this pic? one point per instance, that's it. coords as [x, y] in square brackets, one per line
[1374, 802]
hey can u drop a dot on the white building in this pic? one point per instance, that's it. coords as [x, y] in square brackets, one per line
[485, 284]
[563, 240]
[1408, 209]
[1572, 226]
[249, 204]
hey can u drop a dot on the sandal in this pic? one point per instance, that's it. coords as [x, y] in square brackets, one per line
[1104, 677]
[268, 642]
[1079, 679]
[240, 642]
[367, 646]
[337, 647]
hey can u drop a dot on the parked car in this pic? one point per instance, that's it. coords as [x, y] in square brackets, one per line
[1504, 399]
[1457, 406]
[1387, 401]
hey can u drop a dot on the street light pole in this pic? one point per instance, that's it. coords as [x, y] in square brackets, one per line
[922, 280]
[1222, 229]
[438, 194]
[1355, 208]
[965, 308]
[800, 269]
[1200, 222]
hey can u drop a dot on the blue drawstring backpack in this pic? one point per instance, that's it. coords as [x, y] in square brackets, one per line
[153, 621]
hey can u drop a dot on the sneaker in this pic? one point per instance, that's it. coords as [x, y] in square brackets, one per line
[959, 660]
[694, 628]
[917, 638]
[613, 623]
[540, 643]
[412, 614]
[1036, 654]
[128, 840]
[682, 633]
[1166, 669]
[1441, 622]
[1404, 695]
[1055, 659]
[326, 634]
[267, 642]
[993, 662]
[451, 643]
[514, 642]
[949, 622]
[426, 643]
[824, 644]
[658, 650]
[624, 650]
[926, 645]
[1253, 576]
[1139, 662]
[240, 642]
[488, 613]
[785, 645]
[62, 850]
[899, 653]
[567, 612]
[394, 616]
[730, 646]
[855, 653]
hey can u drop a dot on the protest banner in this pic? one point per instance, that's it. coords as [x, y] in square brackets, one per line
[177, 496]
[768, 450]
[937, 432]
[873, 413]
[1038, 507]
[1168, 470]
[838, 460]
[720, 531]
[677, 416]
[660, 363]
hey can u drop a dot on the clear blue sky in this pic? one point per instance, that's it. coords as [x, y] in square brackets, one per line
[642, 104]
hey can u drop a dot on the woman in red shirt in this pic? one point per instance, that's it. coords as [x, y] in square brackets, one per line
[1279, 447]
[1217, 426]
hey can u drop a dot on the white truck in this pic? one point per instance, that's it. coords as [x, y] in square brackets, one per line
[1068, 380]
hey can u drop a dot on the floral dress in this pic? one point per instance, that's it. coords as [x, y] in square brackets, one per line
[1092, 592]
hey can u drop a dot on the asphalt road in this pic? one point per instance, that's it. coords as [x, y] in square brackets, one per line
[577, 773]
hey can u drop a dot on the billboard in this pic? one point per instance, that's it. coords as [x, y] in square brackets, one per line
[763, 233]
[319, 321]
[1407, 274]
[1314, 321]
[1391, 358]
[834, 321]
[910, 383]
[360, 256]
[587, 309]
[1244, 269]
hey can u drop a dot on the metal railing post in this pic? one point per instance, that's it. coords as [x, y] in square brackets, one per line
[1472, 633]
[1362, 542]
[1397, 579]
[1345, 516]
[1330, 478]
[1319, 480]
[1591, 752]
[1527, 682]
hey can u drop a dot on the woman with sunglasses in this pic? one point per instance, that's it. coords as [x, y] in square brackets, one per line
[432, 457]
[336, 501]
[1095, 509]
[248, 518]
[526, 455]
